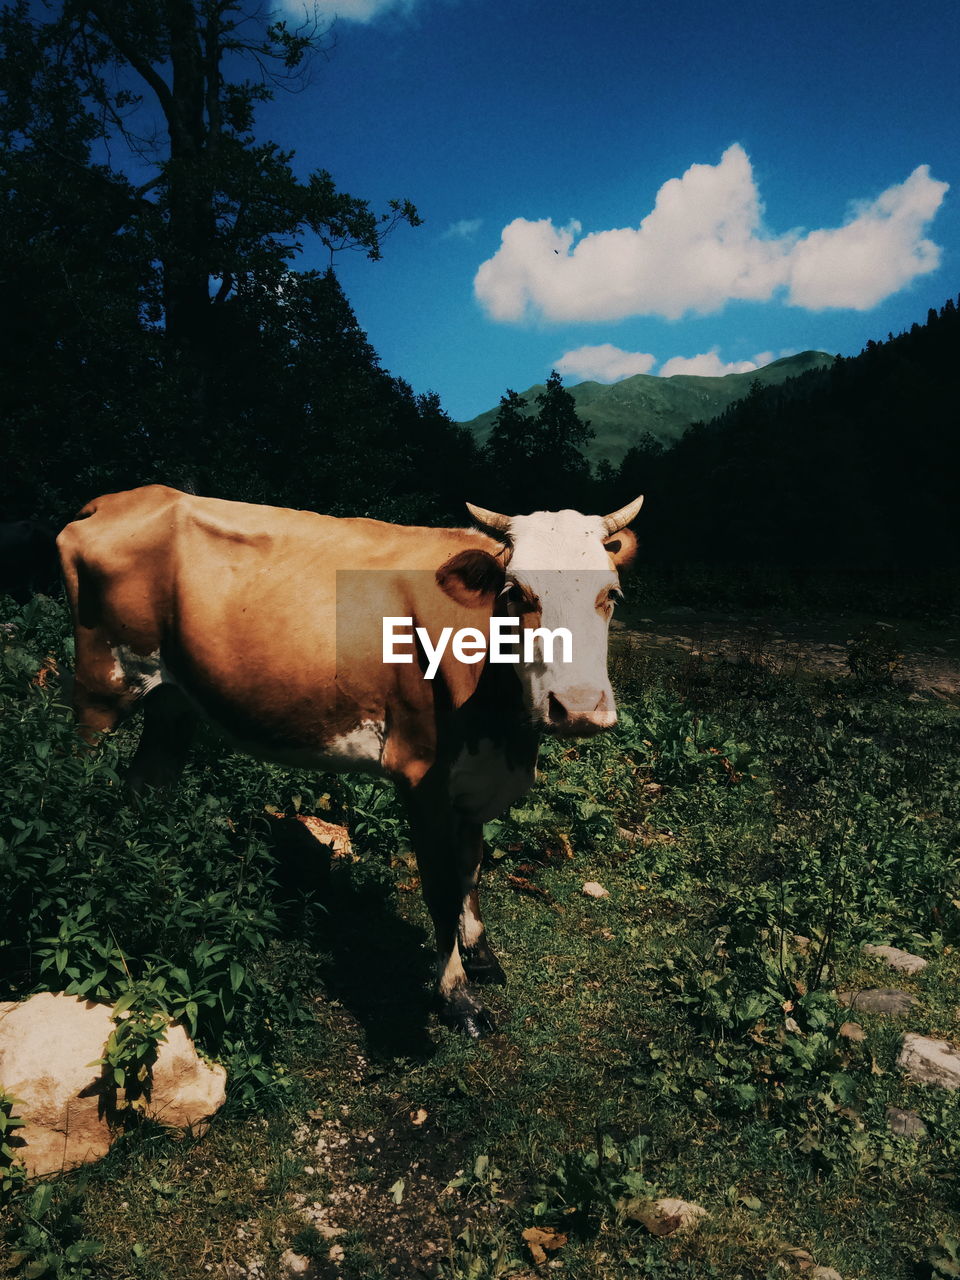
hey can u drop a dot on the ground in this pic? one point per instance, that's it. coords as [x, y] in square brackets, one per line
[929, 659]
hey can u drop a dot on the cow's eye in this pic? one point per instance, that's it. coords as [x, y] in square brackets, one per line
[615, 595]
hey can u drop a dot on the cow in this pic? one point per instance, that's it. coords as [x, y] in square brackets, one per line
[271, 623]
[28, 559]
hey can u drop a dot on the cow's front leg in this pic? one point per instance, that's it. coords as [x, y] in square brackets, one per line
[477, 955]
[437, 838]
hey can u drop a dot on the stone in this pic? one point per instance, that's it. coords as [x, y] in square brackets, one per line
[666, 1217]
[800, 1262]
[47, 1046]
[903, 961]
[594, 890]
[851, 1031]
[879, 1000]
[795, 1260]
[929, 1061]
[295, 1264]
[905, 1124]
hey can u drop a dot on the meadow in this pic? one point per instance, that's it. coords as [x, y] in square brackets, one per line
[680, 1037]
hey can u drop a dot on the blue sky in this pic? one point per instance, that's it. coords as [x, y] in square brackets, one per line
[618, 188]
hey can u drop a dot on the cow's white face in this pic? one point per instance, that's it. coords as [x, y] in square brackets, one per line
[562, 573]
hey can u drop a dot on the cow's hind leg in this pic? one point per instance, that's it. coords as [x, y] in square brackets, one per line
[168, 727]
[437, 837]
[477, 955]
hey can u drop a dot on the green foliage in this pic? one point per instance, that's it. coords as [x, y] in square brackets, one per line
[816, 472]
[51, 1240]
[873, 654]
[534, 458]
[603, 1181]
[163, 911]
[160, 332]
[681, 1034]
[643, 412]
[12, 1175]
[944, 1256]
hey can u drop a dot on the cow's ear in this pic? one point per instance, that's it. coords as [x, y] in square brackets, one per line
[622, 547]
[472, 578]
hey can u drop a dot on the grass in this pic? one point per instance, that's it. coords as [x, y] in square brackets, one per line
[671, 1039]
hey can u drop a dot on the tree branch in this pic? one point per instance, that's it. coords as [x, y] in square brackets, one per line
[140, 64]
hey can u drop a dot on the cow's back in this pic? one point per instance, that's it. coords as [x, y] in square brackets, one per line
[243, 608]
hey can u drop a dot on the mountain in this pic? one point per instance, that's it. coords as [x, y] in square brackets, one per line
[852, 468]
[620, 413]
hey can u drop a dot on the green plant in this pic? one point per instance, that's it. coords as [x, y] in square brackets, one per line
[589, 1185]
[875, 655]
[12, 1173]
[51, 1238]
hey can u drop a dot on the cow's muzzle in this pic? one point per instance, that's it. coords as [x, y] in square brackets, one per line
[580, 712]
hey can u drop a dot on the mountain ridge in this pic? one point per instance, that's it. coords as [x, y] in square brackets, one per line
[621, 412]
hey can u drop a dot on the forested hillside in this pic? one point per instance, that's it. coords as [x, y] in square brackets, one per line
[853, 467]
[622, 413]
[158, 329]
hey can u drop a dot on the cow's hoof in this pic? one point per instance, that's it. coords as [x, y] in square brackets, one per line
[481, 965]
[463, 1014]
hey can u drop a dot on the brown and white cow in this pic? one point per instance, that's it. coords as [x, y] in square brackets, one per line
[268, 623]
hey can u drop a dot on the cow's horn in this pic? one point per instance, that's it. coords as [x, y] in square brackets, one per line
[618, 520]
[491, 520]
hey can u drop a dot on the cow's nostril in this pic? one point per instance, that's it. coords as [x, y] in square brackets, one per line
[556, 710]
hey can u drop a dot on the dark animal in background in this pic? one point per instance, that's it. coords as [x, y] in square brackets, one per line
[28, 560]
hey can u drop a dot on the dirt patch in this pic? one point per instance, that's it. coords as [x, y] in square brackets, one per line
[929, 663]
[386, 1182]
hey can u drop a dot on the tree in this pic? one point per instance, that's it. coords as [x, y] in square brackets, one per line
[165, 334]
[220, 209]
[536, 459]
[72, 283]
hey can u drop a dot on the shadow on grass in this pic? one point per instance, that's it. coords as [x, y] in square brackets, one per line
[380, 967]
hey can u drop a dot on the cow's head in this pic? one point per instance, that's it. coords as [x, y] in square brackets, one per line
[562, 571]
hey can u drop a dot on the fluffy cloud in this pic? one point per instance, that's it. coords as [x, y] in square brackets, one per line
[465, 229]
[605, 363]
[709, 364]
[881, 249]
[346, 10]
[703, 244]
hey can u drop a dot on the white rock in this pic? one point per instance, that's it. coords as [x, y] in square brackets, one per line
[294, 1264]
[47, 1044]
[594, 890]
[667, 1217]
[903, 961]
[930, 1061]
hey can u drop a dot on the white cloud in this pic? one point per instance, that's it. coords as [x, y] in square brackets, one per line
[347, 10]
[877, 252]
[703, 244]
[465, 229]
[605, 363]
[709, 364]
